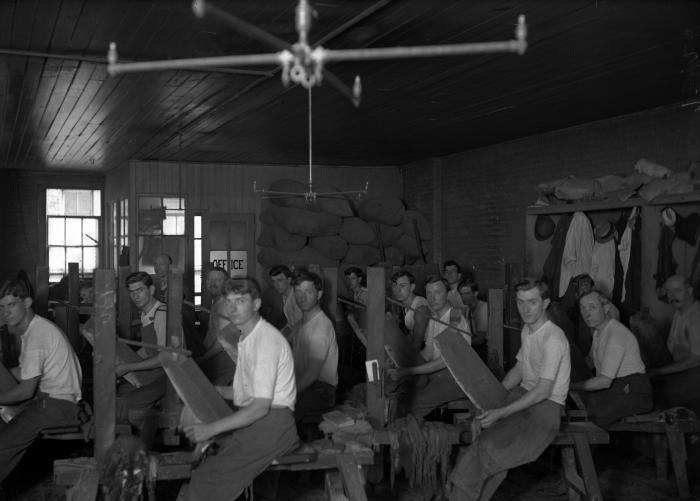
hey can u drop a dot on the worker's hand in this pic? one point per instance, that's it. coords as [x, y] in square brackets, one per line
[121, 369]
[397, 373]
[490, 417]
[199, 432]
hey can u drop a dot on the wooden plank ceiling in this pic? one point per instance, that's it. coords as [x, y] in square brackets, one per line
[587, 60]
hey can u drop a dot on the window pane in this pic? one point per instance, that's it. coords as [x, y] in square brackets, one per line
[96, 203]
[74, 255]
[197, 254]
[74, 233]
[198, 227]
[174, 223]
[91, 233]
[56, 231]
[57, 261]
[174, 203]
[197, 282]
[54, 202]
[89, 259]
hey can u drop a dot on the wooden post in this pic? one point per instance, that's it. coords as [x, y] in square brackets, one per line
[124, 303]
[495, 333]
[103, 359]
[41, 291]
[330, 277]
[174, 335]
[73, 310]
[375, 342]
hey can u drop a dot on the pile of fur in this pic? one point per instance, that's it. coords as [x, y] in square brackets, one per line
[127, 467]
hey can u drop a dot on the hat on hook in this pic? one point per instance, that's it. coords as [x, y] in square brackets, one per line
[688, 227]
[604, 232]
[544, 227]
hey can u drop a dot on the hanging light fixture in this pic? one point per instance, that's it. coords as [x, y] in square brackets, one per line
[304, 64]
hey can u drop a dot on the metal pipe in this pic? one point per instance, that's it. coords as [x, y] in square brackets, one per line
[195, 62]
[101, 60]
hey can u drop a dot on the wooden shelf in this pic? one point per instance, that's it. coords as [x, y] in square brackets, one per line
[592, 205]
[600, 205]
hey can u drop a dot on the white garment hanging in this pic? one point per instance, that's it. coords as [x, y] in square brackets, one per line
[578, 247]
[625, 248]
[603, 266]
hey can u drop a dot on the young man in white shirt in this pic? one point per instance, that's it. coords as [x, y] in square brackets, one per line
[435, 385]
[48, 376]
[518, 432]
[452, 272]
[263, 391]
[620, 386]
[416, 310]
[315, 349]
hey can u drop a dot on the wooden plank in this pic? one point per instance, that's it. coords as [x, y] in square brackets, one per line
[194, 388]
[103, 360]
[572, 481]
[353, 480]
[437, 209]
[660, 456]
[124, 303]
[471, 374]
[375, 342]
[584, 206]
[41, 291]
[495, 332]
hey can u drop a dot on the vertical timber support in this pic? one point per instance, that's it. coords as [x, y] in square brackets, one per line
[73, 311]
[124, 303]
[174, 336]
[495, 333]
[330, 277]
[41, 291]
[375, 342]
[103, 359]
[438, 243]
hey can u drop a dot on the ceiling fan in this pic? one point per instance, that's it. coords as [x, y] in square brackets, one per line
[304, 64]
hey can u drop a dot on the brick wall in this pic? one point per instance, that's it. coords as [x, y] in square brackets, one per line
[22, 205]
[485, 191]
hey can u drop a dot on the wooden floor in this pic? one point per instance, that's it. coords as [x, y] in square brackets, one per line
[625, 471]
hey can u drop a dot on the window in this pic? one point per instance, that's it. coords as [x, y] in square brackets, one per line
[73, 230]
[161, 230]
[198, 260]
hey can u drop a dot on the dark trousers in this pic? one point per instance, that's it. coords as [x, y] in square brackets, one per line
[243, 455]
[431, 391]
[679, 389]
[316, 399]
[131, 398]
[518, 439]
[16, 436]
[626, 396]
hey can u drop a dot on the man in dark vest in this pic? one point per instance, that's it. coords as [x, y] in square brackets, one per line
[148, 371]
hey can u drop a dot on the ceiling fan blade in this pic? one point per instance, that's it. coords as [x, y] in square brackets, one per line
[352, 94]
[202, 8]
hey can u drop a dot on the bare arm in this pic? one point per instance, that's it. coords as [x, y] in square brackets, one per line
[541, 391]
[25, 389]
[514, 377]
[144, 365]
[592, 384]
[682, 365]
[243, 417]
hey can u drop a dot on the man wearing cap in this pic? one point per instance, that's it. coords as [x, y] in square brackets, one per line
[677, 383]
[477, 316]
[620, 386]
[160, 280]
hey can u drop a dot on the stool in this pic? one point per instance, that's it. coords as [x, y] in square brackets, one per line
[575, 438]
[668, 429]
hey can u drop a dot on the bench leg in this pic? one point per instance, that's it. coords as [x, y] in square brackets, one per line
[572, 481]
[182, 493]
[352, 476]
[85, 489]
[334, 486]
[660, 456]
[676, 445]
[585, 460]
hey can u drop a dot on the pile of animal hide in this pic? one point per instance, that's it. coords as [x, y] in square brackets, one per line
[422, 450]
[127, 467]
